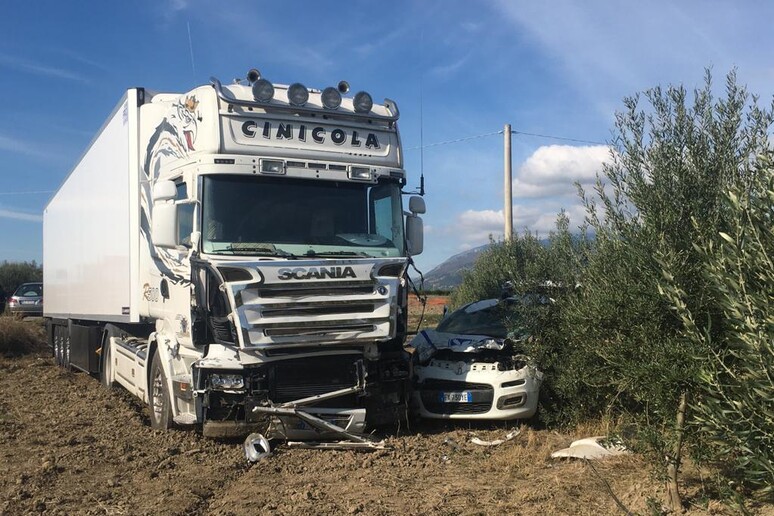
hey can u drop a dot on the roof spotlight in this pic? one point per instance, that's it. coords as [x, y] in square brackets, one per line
[343, 87]
[263, 90]
[253, 75]
[331, 98]
[298, 94]
[363, 102]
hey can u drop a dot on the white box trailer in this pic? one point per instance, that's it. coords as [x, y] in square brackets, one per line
[233, 253]
[91, 230]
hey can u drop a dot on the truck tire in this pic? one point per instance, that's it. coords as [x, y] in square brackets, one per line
[66, 349]
[106, 364]
[158, 396]
[59, 336]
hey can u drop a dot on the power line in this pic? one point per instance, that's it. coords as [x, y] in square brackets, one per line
[556, 137]
[455, 141]
[513, 131]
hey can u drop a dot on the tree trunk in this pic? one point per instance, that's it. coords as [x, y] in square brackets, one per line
[674, 502]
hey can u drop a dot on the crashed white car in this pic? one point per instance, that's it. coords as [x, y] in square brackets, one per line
[468, 368]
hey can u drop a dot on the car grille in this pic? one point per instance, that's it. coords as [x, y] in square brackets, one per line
[431, 391]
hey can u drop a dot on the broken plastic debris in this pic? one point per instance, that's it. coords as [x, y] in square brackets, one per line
[599, 447]
[496, 442]
[339, 445]
[257, 447]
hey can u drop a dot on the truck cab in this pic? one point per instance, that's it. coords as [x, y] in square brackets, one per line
[273, 246]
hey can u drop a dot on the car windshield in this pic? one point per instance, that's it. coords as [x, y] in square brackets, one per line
[29, 290]
[488, 317]
[284, 217]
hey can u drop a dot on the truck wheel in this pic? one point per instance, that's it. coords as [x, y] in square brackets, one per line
[159, 399]
[106, 366]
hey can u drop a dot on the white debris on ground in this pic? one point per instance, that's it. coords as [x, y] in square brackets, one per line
[495, 442]
[599, 447]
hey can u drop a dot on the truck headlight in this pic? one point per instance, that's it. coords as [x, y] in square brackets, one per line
[227, 382]
[331, 98]
[363, 102]
[263, 90]
[298, 94]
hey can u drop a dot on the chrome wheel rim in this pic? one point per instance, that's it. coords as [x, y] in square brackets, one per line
[158, 395]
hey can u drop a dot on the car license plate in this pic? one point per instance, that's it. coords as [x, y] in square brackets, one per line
[28, 302]
[457, 397]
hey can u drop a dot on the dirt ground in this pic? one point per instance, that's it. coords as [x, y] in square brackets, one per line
[69, 446]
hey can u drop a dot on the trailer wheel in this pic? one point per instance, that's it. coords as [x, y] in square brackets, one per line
[66, 349]
[159, 399]
[58, 344]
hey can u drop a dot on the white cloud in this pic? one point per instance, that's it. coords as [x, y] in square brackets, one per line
[553, 170]
[40, 69]
[10, 144]
[445, 71]
[473, 228]
[20, 215]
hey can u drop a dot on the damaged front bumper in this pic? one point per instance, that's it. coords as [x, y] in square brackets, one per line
[345, 390]
[449, 389]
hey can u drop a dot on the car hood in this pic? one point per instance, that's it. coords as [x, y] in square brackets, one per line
[428, 342]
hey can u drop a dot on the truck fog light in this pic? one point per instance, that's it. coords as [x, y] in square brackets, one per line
[272, 166]
[227, 382]
[361, 173]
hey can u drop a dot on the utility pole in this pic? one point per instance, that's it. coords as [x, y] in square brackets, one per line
[508, 184]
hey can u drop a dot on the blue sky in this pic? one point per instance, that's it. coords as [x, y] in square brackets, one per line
[556, 68]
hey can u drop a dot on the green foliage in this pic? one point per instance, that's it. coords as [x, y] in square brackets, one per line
[733, 408]
[670, 167]
[13, 274]
[674, 301]
[526, 262]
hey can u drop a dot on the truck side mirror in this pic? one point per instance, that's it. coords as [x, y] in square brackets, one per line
[415, 236]
[416, 205]
[165, 225]
[164, 191]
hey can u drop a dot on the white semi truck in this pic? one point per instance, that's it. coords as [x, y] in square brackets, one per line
[237, 252]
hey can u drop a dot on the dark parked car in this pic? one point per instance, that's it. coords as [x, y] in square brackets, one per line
[27, 300]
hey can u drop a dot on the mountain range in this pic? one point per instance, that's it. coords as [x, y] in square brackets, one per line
[448, 274]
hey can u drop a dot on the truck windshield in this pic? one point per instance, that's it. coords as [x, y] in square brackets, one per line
[262, 216]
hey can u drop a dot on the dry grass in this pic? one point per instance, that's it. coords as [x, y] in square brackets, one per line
[20, 337]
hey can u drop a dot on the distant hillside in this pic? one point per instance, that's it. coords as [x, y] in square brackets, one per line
[449, 274]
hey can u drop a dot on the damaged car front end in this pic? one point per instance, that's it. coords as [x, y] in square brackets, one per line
[470, 368]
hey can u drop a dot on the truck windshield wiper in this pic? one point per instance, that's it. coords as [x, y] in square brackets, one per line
[259, 250]
[323, 254]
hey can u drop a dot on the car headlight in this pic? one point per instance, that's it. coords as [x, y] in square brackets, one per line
[227, 382]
